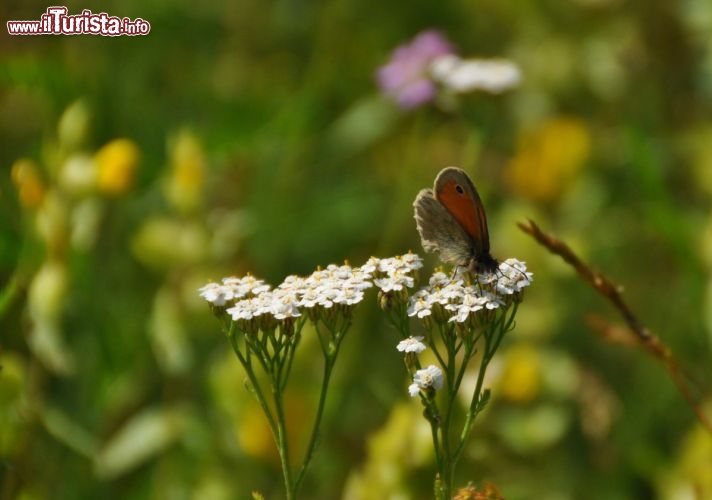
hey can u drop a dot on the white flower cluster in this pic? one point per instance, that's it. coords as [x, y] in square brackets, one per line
[232, 289]
[461, 301]
[394, 273]
[428, 377]
[248, 297]
[465, 75]
[513, 277]
[323, 288]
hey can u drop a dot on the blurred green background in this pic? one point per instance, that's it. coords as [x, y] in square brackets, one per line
[260, 144]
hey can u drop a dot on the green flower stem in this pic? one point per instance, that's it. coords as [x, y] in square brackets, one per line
[329, 362]
[282, 441]
[294, 341]
[256, 390]
[313, 439]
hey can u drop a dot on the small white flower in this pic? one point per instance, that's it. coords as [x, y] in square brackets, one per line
[216, 294]
[492, 301]
[358, 279]
[395, 280]
[389, 264]
[244, 309]
[348, 296]
[370, 266]
[310, 297]
[293, 283]
[247, 285]
[431, 376]
[412, 344]
[412, 261]
[471, 303]
[413, 390]
[284, 305]
[407, 263]
[513, 277]
[419, 304]
[438, 280]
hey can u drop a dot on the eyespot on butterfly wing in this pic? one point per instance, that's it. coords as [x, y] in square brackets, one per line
[451, 221]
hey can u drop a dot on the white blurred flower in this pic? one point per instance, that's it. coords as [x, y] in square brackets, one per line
[412, 344]
[465, 75]
[431, 376]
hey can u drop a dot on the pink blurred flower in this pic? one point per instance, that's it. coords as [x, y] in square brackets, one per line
[406, 77]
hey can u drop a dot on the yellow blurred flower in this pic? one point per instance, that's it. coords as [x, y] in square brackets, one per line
[184, 186]
[400, 445]
[116, 164]
[548, 159]
[26, 176]
[521, 379]
[254, 434]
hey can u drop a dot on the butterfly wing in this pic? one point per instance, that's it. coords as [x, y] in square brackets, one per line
[457, 193]
[440, 232]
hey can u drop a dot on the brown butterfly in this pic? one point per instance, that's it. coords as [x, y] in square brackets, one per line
[451, 221]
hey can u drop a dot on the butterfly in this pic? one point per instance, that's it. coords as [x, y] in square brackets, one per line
[451, 222]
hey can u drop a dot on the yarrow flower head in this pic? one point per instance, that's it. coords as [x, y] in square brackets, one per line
[249, 298]
[461, 302]
[232, 289]
[393, 276]
[406, 77]
[412, 344]
[513, 277]
[429, 377]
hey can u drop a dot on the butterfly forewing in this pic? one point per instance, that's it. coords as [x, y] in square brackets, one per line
[456, 191]
[440, 232]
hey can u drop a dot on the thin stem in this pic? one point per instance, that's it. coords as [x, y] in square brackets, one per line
[282, 441]
[293, 342]
[313, 439]
[247, 365]
[471, 413]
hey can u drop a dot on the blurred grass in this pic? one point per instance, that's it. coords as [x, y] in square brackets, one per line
[305, 165]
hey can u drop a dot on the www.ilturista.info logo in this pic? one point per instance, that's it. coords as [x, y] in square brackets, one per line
[57, 22]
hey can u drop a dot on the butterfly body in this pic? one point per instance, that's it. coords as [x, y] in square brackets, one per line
[451, 222]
